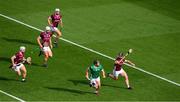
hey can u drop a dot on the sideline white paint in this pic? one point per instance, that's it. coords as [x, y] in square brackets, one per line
[12, 96]
[91, 50]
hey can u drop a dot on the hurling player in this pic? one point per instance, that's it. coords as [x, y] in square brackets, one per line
[54, 20]
[118, 70]
[17, 63]
[94, 72]
[44, 41]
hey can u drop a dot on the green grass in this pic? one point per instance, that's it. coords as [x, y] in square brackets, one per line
[151, 28]
[6, 98]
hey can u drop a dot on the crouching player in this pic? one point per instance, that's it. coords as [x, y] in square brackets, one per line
[44, 41]
[94, 71]
[118, 70]
[17, 63]
[53, 22]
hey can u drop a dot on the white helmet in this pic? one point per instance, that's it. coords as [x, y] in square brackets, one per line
[57, 10]
[48, 28]
[22, 48]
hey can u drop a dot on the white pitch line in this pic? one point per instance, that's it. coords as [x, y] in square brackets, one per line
[91, 50]
[12, 96]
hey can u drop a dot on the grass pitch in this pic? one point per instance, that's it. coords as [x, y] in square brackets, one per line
[151, 28]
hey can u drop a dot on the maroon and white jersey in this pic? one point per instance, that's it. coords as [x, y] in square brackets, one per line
[56, 18]
[19, 57]
[117, 67]
[46, 36]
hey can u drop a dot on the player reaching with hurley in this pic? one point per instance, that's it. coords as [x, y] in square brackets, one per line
[17, 63]
[94, 72]
[118, 70]
[44, 41]
[54, 20]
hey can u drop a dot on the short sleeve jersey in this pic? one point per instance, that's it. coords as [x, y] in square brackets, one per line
[95, 71]
[19, 57]
[118, 67]
[45, 36]
[56, 19]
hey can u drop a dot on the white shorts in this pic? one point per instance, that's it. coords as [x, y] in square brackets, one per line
[116, 73]
[94, 81]
[53, 29]
[18, 67]
[46, 49]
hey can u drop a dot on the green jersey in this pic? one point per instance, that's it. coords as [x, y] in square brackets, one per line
[95, 71]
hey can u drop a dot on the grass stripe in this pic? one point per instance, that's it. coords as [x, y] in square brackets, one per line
[91, 50]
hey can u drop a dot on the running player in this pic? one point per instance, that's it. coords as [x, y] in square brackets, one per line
[17, 63]
[44, 41]
[118, 70]
[94, 71]
[53, 22]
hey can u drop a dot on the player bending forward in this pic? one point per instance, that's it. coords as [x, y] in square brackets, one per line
[53, 22]
[44, 41]
[94, 71]
[118, 70]
[17, 63]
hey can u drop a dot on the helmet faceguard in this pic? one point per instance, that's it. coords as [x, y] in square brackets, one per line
[22, 48]
[48, 29]
[57, 11]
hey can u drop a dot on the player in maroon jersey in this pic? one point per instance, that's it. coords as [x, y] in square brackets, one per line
[54, 20]
[17, 63]
[118, 70]
[44, 41]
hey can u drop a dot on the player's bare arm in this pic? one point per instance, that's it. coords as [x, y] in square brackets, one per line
[128, 61]
[61, 23]
[12, 60]
[49, 21]
[103, 73]
[87, 74]
[117, 62]
[24, 59]
[129, 51]
[39, 41]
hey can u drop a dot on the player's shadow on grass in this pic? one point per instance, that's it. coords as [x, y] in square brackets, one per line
[35, 64]
[6, 79]
[76, 82]
[18, 41]
[68, 90]
[5, 59]
[85, 82]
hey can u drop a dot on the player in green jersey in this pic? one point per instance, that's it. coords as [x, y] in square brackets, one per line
[93, 74]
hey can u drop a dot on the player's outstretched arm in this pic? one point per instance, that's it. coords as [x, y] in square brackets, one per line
[103, 73]
[39, 42]
[129, 62]
[117, 62]
[87, 74]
